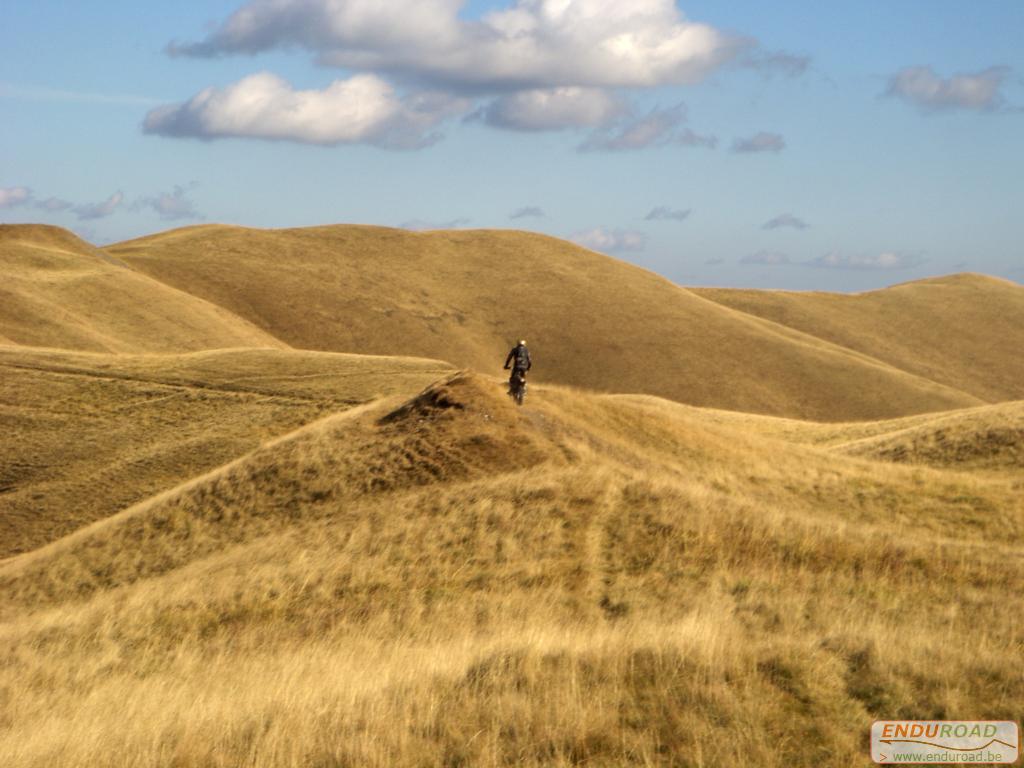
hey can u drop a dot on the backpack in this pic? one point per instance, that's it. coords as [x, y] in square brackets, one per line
[522, 357]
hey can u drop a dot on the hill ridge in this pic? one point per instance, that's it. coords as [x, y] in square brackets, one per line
[61, 292]
[957, 330]
[465, 295]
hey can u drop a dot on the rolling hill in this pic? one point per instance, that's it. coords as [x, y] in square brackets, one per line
[448, 579]
[249, 516]
[58, 291]
[592, 321]
[958, 330]
[989, 438]
[86, 435]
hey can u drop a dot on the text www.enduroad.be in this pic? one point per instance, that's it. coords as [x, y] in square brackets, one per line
[949, 757]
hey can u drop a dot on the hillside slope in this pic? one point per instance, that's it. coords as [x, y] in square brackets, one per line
[465, 296]
[447, 579]
[58, 291]
[965, 331]
[86, 435]
[990, 438]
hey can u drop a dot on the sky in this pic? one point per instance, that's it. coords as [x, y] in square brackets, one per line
[797, 145]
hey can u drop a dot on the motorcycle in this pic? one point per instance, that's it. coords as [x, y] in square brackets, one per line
[517, 387]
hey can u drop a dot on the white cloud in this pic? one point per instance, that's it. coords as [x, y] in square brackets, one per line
[658, 128]
[547, 64]
[974, 91]
[760, 142]
[53, 205]
[418, 225]
[361, 109]
[766, 258]
[785, 220]
[11, 197]
[887, 260]
[174, 205]
[664, 213]
[527, 212]
[99, 210]
[601, 239]
[531, 44]
[365, 26]
[550, 109]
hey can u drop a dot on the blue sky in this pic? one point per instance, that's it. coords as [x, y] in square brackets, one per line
[794, 145]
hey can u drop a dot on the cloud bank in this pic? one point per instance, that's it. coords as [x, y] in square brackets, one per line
[765, 258]
[53, 205]
[527, 212]
[785, 220]
[12, 197]
[362, 109]
[664, 213]
[535, 65]
[419, 225]
[531, 44]
[658, 128]
[101, 210]
[601, 239]
[887, 260]
[759, 142]
[553, 109]
[174, 205]
[924, 88]
[171, 205]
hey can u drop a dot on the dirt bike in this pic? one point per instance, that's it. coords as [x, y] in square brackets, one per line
[517, 387]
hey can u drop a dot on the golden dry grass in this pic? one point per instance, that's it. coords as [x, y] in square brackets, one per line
[269, 557]
[86, 435]
[989, 437]
[59, 291]
[465, 296]
[961, 330]
[453, 581]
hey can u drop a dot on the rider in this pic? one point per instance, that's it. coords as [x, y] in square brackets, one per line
[519, 358]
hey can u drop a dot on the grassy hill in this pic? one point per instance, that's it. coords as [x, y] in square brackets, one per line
[86, 435]
[989, 437]
[450, 580]
[961, 330]
[465, 296]
[58, 291]
[228, 539]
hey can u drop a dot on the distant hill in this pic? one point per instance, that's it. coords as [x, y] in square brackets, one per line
[465, 296]
[965, 331]
[58, 291]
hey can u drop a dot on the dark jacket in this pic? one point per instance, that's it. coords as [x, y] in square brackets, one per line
[521, 355]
